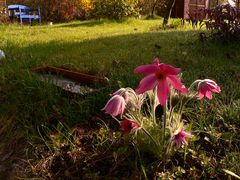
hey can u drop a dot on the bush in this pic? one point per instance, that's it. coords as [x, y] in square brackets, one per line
[151, 7]
[116, 9]
[86, 8]
[66, 10]
[224, 22]
[59, 10]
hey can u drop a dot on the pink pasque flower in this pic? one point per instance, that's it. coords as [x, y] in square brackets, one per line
[180, 137]
[122, 92]
[206, 87]
[115, 106]
[161, 76]
[128, 125]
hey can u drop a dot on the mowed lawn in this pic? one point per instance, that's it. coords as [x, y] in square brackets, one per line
[113, 50]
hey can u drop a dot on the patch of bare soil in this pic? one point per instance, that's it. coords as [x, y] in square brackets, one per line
[12, 147]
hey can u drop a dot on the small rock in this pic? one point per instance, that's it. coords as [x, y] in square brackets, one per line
[115, 62]
[157, 46]
[184, 53]
[2, 54]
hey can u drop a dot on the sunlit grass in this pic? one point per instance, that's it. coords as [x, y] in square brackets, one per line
[95, 47]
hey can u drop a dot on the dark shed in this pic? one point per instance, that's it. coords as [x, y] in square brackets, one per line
[187, 9]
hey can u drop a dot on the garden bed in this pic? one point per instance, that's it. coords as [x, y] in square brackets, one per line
[71, 81]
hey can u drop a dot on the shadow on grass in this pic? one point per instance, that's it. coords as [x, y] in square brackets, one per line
[35, 102]
[92, 23]
[82, 24]
[113, 57]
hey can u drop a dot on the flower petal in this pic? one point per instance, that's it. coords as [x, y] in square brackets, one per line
[156, 61]
[128, 125]
[176, 83]
[178, 142]
[184, 141]
[115, 106]
[208, 94]
[213, 87]
[185, 134]
[162, 92]
[146, 84]
[180, 137]
[169, 70]
[206, 87]
[217, 89]
[146, 69]
[120, 92]
[200, 95]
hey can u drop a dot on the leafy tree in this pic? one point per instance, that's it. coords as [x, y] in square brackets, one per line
[115, 9]
[169, 4]
[164, 6]
[149, 7]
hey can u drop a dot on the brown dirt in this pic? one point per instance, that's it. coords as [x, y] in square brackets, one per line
[11, 149]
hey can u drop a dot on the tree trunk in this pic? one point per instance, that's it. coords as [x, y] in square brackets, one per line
[168, 11]
[154, 7]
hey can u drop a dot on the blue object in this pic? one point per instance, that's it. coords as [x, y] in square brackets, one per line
[23, 12]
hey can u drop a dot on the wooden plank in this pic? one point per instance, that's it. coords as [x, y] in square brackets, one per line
[80, 77]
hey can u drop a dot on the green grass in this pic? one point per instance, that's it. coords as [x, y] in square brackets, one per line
[92, 46]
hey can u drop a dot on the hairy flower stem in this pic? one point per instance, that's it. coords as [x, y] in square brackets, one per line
[154, 105]
[171, 114]
[167, 151]
[164, 121]
[182, 105]
[149, 135]
[180, 110]
[153, 113]
[193, 84]
[116, 120]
